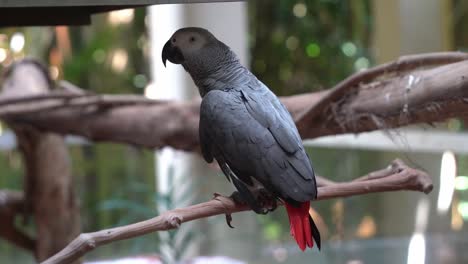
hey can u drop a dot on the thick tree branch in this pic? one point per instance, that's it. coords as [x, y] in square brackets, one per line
[408, 91]
[398, 177]
[385, 71]
[393, 100]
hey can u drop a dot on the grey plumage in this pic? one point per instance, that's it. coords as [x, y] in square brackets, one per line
[243, 125]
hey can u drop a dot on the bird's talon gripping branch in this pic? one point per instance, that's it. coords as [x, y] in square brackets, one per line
[228, 216]
[229, 220]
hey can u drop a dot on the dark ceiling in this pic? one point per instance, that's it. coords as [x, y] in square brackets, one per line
[66, 12]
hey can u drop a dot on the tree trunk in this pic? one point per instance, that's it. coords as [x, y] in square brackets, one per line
[48, 180]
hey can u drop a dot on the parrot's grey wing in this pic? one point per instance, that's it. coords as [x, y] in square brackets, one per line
[219, 121]
[265, 107]
[253, 144]
[261, 105]
[221, 126]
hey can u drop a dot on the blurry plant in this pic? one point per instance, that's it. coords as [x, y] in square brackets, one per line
[273, 229]
[460, 24]
[174, 244]
[131, 210]
[109, 56]
[315, 43]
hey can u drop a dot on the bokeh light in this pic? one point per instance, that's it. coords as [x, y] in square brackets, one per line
[448, 170]
[118, 17]
[3, 55]
[99, 56]
[119, 60]
[349, 49]
[292, 42]
[17, 42]
[54, 72]
[313, 50]
[361, 64]
[140, 81]
[461, 183]
[463, 209]
[300, 10]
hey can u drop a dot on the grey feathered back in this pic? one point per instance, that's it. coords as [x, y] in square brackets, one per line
[245, 127]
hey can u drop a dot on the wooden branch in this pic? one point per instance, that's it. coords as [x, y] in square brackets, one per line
[398, 67]
[392, 95]
[11, 205]
[65, 100]
[396, 177]
[400, 177]
[393, 168]
[408, 91]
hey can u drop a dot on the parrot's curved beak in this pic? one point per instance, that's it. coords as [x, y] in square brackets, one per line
[171, 53]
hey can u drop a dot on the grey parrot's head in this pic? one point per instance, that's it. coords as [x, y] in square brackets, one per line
[187, 44]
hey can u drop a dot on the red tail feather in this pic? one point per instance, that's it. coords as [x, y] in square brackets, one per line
[299, 224]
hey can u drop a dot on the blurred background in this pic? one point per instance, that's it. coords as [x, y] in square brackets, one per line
[294, 47]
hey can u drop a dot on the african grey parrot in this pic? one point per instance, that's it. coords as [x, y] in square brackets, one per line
[249, 132]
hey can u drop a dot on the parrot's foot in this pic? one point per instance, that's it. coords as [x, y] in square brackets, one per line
[236, 196]
[264, 201]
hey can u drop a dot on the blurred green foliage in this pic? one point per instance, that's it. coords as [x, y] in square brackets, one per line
[302, 46]
[98, 49]
[460, 24]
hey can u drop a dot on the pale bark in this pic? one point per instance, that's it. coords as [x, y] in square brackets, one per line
[396, 177]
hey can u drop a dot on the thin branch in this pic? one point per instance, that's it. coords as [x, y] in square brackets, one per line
[11, 205]
[404, 178]
[322, 181]
[17, 237]
[66, 100]
[393, 168]
[11, 200]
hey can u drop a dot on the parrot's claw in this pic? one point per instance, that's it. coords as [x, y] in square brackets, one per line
[238, 199]
[229, 220]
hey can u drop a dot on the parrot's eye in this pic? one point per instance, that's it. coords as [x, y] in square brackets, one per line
[192, 39]
[174, 40]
